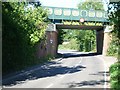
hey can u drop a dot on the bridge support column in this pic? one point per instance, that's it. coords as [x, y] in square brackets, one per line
[107, 39]
[51, 35]
[99, 40]
[49, 46]
[51, 43]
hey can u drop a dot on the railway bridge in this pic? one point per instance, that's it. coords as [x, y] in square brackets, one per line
[70, 18]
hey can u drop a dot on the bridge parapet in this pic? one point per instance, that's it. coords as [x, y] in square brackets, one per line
[57, 13]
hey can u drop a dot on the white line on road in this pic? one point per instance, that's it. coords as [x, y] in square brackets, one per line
[57, 80]
[80, 59]
[105, 76]
[49, 85]
[64, 75]
[79, 62]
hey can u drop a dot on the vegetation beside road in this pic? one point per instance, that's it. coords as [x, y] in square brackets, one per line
[115, 76]
[80, 40]
[113, 48]
[23, 26]
[114, 17]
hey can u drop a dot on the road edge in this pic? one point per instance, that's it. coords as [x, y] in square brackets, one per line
[107, 64]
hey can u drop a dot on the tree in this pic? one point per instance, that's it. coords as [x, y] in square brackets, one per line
[35, 3]
[88, 40]
[90, 5]
[22, 29]
[114, 17]
[61, 35]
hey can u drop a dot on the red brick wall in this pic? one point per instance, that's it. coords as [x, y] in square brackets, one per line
[41, 49]
[48, 47]
[51, 42]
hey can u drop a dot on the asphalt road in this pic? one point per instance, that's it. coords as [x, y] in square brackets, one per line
[74, 70]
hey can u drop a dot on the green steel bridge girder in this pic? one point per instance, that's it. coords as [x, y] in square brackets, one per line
[57, 13]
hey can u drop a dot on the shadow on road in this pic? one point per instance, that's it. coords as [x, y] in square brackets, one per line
[48, 70]
[90, 82]
[68, 55]
[101, 73]
[86, 83]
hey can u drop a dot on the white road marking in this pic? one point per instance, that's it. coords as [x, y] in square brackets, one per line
[80, 59]
[105, 76]
[79, 62]
[49, 85]
[57, 80]
[64, 75]
[0, 87]
[75, 66]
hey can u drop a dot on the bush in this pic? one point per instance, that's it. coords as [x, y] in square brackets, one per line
[115, 76]
[71, 45]
[115, 85]
[22, 29]
[112, 51]
[114, 67]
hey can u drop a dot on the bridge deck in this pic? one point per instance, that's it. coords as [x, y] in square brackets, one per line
[57, 13]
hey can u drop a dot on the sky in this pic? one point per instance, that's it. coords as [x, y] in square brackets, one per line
[63, 3]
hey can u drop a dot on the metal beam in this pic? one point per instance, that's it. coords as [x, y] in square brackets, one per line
[83, 27]
[60, 13]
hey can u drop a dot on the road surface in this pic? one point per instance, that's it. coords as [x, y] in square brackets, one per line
[74, 70]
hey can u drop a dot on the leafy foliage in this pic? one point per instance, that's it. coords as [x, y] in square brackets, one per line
[36, 3]
[114, 17]
[83, 40]
[90, 5]
[87, 39]
[23, 27]
[70, 45]
[61, 35]
[113, 48]
[115, 76]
